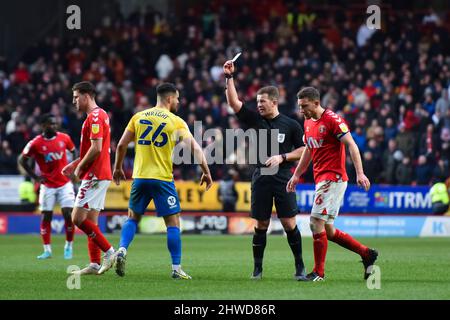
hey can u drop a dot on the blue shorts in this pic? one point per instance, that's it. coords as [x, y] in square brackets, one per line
[162, 192]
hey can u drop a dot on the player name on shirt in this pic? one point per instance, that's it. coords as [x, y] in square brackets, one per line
[156, 113]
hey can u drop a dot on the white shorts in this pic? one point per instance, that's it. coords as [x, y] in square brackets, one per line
[91, 194]
[328, 200]
[64, 195]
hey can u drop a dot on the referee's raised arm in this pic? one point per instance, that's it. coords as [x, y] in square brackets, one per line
[230, 89]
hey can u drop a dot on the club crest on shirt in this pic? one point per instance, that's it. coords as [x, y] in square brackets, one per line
[281, 137]
[322, 129]
[95, 128]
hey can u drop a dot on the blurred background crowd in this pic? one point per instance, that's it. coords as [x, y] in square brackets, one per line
[391, 85]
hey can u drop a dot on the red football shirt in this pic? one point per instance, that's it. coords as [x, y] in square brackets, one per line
[96, 126]
[322, 137]
[50, 155]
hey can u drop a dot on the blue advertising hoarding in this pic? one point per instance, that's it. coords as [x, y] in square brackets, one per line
[379, 199]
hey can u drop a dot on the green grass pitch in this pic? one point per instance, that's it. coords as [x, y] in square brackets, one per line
[221, 265]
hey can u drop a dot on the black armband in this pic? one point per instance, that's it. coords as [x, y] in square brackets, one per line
[228, 76]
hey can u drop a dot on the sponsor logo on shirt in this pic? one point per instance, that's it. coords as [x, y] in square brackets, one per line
[52, 156]
[313, 143]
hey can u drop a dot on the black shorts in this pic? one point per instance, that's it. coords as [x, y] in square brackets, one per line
[266, 189]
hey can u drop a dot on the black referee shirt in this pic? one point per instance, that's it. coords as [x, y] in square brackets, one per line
[290, 134]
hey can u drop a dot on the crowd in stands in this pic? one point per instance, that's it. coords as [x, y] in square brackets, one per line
[391, 85]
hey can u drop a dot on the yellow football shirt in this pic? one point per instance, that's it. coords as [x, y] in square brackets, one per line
[156, 131]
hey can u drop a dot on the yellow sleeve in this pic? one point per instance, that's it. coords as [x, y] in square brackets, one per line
[130, 126]
[182, 128]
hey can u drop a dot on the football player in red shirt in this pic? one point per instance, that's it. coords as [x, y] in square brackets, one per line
[49, 151]
[326, 135]
[93, 168]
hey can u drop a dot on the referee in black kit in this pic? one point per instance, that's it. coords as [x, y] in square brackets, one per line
[271, 176]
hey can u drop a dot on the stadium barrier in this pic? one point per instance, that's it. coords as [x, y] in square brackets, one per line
[240, 223]
[380, 199]
[192, 196]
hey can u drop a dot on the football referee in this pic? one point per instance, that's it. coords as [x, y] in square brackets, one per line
[266, 188]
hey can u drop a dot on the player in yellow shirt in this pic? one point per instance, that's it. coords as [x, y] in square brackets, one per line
[155, 132]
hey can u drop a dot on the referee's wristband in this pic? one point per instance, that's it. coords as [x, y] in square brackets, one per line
[228, 75]
[284, 157]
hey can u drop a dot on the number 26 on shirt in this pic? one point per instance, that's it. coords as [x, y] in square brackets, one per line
[158, 133]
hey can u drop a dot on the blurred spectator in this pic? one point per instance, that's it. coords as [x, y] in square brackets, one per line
[227, 192]
[404, 172]
[441, 171]
[405, 141]
[371, 166]
[423, 171]
[429, 142]
[390, 130]
[364, 34]
[164, 66]
[394, 81]
[360, 139]
[392, 156]
[8, 160]
[442, 106]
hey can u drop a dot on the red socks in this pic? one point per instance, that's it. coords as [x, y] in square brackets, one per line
[345, 240]
[46, 231]
[93, 232]
[94, 252]
[70, 230]
[320, 252]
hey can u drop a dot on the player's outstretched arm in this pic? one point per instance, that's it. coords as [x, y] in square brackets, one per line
[121, 151]
[230, 91]
[361, 178]
[301, 167]
[201, 159]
